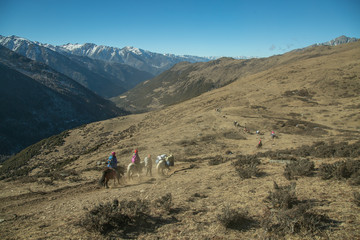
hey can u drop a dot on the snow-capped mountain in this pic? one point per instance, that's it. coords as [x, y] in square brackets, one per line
[155, 63]
[105, 78]
[146, 64]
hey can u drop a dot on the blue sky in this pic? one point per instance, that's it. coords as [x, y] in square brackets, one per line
[184, 27]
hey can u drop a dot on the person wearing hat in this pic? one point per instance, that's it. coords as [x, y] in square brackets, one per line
[112, 161]
[135, 158]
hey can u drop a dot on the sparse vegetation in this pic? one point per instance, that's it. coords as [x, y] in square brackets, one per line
[247, 166]
[238, 219]
[283, 197]
[164, 202]
[18, 165]
[349, 169]
[357, 198]
[300, 219]
[126, 218]
[318, 150]
[297, 168]
[117, 216]
[291, 216]
[218, 159]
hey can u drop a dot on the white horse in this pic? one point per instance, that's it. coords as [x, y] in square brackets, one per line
[161, 166]
[134, 169]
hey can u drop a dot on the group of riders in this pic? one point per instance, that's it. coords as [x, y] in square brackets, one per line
[112, 162]
[273, 135]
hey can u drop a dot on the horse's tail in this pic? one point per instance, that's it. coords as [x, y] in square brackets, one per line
[102, 179]
[129, 170]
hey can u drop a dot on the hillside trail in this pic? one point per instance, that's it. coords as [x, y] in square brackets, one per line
[199, 193]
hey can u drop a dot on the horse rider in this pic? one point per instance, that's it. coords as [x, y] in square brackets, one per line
[259, 144]
[112, 161]
[273, 135]
[135, 158]
[111, 164]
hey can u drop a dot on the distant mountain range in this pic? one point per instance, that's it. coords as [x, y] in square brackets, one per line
[37, 102]
[105, 78]
[154, 63]
[108, 71]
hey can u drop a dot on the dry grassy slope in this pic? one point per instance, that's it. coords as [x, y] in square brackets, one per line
[185, 80]
[200, 129]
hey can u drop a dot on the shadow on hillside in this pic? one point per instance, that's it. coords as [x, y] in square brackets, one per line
[149, 225]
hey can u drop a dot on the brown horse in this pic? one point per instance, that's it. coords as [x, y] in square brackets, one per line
[110, 173]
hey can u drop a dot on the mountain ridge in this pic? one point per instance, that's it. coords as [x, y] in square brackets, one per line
[104, 78]
[186, 80]
[154, 63]
[49, 104]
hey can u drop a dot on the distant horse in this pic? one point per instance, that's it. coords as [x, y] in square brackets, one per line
[134, 169]
[161, 166]
[110, 173]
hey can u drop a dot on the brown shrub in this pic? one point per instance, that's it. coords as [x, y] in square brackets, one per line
[218, 159]
[238, 219]
[164, 202]
[284, 197]
[340, 170]
[357, 198]
[247, 166]
[290, 216]
[319, 150]
[116, 216]
[301, 219]
[126, 219]
[302, 167]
